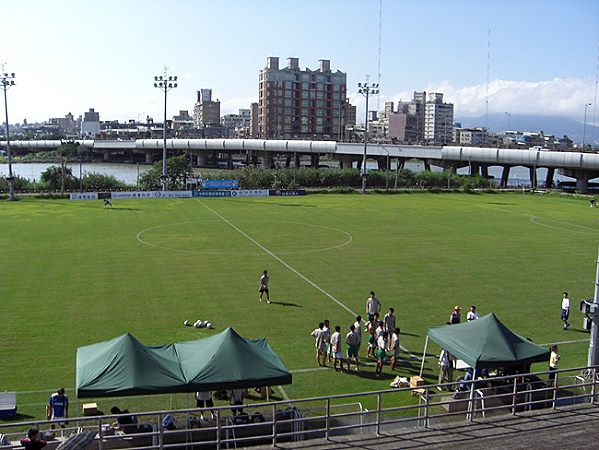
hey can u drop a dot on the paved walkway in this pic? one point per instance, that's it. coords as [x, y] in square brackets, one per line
[568, 427]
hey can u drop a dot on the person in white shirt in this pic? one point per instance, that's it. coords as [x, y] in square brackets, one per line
[373, 306]
[381, 345]
[352, 339]
[358, 330]
[389, 321]
[445, 367]
[319, 335]
[394, 347]
[327, 339]
[565, 310]
[264, 287]
[472, 314]
[336, 348]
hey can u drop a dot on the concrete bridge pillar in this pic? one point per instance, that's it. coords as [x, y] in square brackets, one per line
[296, 160]
[533, 177]
[149, 158]
[505, 174]
[484, 171]
[582, 178]
[401, 162]
[229, 161]
[474, 168]
[582, 185]
[427, 166]
[549, 179]
[266, 160]
[201, 159]
[345, 161]
[315, 160]
[106, 155]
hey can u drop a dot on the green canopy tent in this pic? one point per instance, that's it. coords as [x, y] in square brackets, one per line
[124, 366]
[487, 343]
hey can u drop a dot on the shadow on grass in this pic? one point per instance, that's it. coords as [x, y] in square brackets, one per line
[578, 330]
[19, 417]
[124, 209]
[295, 305]
[409, 334]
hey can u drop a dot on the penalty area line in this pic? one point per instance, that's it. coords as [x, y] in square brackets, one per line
[302, 276]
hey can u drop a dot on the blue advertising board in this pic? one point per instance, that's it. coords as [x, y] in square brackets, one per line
[212, 193]
[219, 184]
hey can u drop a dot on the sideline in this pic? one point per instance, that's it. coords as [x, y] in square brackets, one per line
[303, 277]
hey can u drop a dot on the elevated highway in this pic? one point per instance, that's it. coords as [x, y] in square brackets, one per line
[581, 166]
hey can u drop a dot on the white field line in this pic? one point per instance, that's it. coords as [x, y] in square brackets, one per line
[282, 391]
[303, 277]
[565, 342]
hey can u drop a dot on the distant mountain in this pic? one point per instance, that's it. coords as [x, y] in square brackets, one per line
[556, 125]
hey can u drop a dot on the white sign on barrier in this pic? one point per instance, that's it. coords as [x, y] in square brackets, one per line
[250, 193]
[85, 196]
[151, 194]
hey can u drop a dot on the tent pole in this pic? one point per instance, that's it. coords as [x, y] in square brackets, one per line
[423, 355]
[470, 404]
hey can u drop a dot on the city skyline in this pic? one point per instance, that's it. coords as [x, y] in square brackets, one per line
[71, 56]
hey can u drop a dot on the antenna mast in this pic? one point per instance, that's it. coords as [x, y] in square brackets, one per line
[488, 73]
[378, 99]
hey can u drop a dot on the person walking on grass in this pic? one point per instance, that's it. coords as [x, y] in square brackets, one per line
[565, 310]
[373, 306]
[336, 349]
[264, 286]
[353, 339]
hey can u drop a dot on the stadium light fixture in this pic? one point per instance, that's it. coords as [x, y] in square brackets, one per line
[165, 86]
[7, 81]
[366, 90]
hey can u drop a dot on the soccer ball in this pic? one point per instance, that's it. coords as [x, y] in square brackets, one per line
[186, 323]
[198, 324]
[209, 325]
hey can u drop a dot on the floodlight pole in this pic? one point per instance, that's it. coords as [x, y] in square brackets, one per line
[584, 126]
[593, 356]
[8, 80]
[164, 83]
[366, 90]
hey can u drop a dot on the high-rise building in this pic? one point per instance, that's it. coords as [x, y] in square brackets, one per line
[301, 104]
[254, 122]
[90, 125]
[206, 111]
[438, 120]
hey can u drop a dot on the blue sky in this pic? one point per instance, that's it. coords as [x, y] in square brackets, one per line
[73, 55]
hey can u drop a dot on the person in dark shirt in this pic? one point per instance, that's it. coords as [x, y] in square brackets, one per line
[127, 424]
[33, 440]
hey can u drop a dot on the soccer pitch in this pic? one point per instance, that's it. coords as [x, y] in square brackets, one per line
[74, 273]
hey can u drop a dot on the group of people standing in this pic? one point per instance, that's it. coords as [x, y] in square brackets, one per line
[383, 338]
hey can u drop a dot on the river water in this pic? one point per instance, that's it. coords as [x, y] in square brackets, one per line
[129, 173]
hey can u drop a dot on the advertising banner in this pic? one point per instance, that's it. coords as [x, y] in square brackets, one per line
[250, 193]
[286, 192]
[152, 194]
[85, 196]
[219, 184]
[212, 193]
[206, 95]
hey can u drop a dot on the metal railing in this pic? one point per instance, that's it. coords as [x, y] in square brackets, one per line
[324, 417]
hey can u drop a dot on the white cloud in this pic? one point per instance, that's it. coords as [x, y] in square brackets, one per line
[557, 97]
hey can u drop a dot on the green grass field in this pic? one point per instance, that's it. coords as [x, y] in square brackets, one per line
[73, 273]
